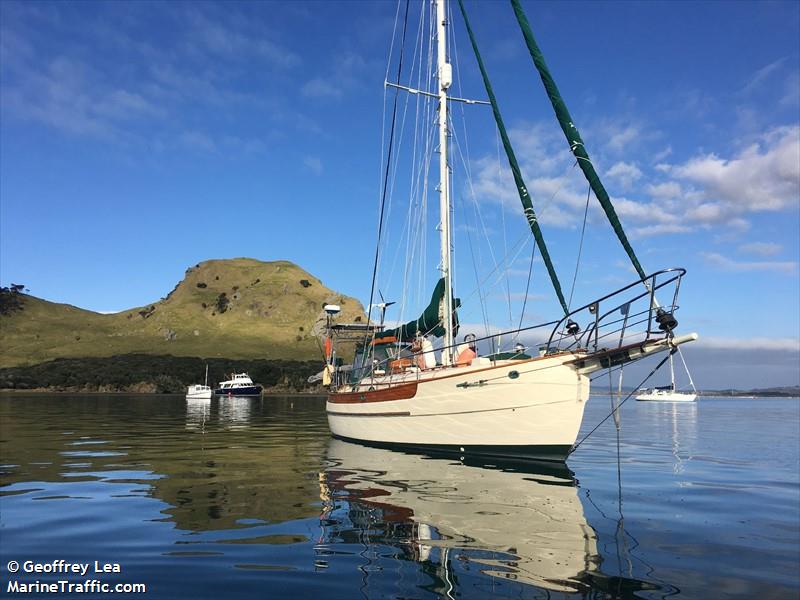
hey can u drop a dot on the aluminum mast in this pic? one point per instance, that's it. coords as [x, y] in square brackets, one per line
[445, 76]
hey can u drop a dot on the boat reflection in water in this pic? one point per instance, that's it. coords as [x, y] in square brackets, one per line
[526, 525]
[198, 411]
[234, 411]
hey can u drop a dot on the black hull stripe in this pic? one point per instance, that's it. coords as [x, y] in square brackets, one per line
[383, 414]
[242, 391]
[547, 453]
[450, 414]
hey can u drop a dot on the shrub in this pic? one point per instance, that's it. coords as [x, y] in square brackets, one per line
[222, 302]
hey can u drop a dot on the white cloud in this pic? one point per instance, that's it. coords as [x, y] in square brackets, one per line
[703, 192]
[761, 248]
[625, 173]
[661, 229]
[753, 343]
[660, 156]
[763, 177]
[669, 190]
[727, 264]
[619, 140]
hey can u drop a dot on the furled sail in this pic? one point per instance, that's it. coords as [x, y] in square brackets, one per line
[522, 189]
[429, 323]
[572, 135]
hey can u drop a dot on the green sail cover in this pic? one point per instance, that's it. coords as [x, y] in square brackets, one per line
[429, 323]
[522, 189]
[572, 135]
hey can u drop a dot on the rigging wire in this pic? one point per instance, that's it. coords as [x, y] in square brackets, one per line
[505, 229]
[420, 138]
[420, 167]
[527, 289]
[396, 164]
[580, 247]
[386, 177]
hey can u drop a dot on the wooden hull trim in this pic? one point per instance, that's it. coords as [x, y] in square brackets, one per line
[402, 391]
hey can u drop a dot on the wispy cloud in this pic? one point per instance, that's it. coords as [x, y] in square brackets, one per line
[660, 229]
[346, 73]
[321, 88]
[198, 141]
[727, 264]
[660, 156]
[521, 297]
[625, 173]
[761, 248]
[224, 33]
[791, 91]
[619, 140]
[114, 84]
[751, 343]
[759, 77]
[314, 164]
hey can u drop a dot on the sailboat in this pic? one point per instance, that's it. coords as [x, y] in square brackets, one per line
[199, 392]
[401, 391]
[670, 393]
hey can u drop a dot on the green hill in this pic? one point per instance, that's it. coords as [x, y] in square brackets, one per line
[237, 308]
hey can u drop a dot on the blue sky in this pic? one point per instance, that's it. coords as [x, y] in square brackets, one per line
[140, 138]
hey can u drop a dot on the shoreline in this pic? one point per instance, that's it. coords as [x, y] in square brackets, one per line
[313, 394]
[40, 392]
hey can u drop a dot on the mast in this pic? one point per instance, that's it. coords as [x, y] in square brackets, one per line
[445, 77]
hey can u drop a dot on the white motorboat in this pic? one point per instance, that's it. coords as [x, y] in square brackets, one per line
[239, 384]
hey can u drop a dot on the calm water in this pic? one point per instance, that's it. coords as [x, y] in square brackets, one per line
[251, 498]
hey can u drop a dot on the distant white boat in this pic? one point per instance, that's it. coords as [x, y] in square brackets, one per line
[199, 392]
[668, 393]
[239, 384]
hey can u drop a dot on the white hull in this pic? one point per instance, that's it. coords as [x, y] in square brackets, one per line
[198, 392]
[510, 409]
[667, 397]
[542, 407]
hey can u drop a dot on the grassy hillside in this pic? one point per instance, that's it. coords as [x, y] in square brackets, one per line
[237, 308]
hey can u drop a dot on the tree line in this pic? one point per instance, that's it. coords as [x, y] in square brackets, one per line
[160, 374]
